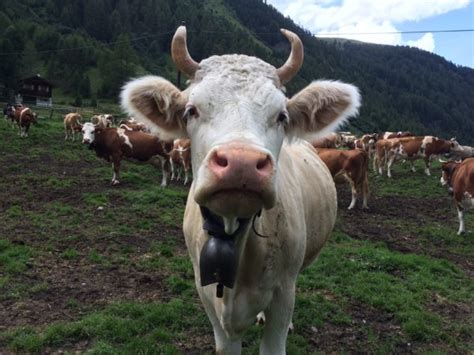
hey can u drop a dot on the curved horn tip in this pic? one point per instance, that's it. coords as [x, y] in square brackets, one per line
[181, 30]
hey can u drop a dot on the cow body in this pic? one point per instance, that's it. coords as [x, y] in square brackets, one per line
[332, 140]
[180, 159]
[399, 134]
[72, 124]
[460, 179]
[413, 148]
[114, 144]
[350, 166]
[244, 174]
[103, 120]
[24, 117]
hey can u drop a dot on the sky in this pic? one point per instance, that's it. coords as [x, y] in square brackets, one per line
[354, 17]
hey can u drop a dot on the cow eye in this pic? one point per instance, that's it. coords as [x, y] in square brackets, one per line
[190, 112]
[283, 117]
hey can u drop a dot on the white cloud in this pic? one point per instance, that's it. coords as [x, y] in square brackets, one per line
[426, 42]
[367, 16]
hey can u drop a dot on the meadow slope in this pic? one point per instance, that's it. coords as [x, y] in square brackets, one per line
[88, 267]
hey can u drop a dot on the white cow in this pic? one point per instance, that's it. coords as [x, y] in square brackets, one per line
[259, 209]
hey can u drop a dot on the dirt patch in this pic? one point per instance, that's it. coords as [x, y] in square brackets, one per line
[379, 223]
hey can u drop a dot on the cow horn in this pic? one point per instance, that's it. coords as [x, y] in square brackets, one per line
[294, 62]
[180, 54]
[442, 161]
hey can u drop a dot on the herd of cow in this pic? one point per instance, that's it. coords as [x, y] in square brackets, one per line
[390, 147]
[346, 156]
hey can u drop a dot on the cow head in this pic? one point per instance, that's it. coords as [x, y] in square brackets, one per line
[88, 132]
[447, 169]
[237, 116]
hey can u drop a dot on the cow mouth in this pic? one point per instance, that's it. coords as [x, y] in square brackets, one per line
[235, 202]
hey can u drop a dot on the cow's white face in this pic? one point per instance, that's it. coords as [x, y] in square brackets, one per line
[237, 117]
[88, 133]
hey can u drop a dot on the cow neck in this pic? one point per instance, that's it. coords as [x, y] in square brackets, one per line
[219, 258]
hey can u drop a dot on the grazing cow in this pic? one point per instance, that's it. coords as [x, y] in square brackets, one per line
[259, 209]
[413, 148]
[24, 117]
[400, 134]
[113, 144]
[459, 176]
[102, 121]
[331, 140]
[72, 124]
[351, 166]
[180, 158]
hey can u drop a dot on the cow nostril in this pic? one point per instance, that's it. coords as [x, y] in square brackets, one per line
[263, 163]
[221, 161]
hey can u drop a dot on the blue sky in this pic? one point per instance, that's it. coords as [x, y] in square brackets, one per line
[328, 17]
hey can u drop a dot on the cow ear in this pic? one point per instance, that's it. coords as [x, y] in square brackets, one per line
[321, 107]
[157, 103]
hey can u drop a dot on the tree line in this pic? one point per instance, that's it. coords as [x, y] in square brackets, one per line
[90, 48]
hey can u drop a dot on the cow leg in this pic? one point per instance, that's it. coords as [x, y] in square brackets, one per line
[116, 167]
[172, 169]
[412, 163]
[365, 191]
[186, 176]
[427, 166]
[462, 228]
[278, 319]
[164, 170]
[389, 165]
[354, 194]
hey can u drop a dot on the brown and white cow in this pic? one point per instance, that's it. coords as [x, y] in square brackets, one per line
[180, 159]
[72, 124]
[366, 142]
[24, 117]
[331, 140]
[351, 166]
[399, 134]
[459, 176]
[413, 148]
[259, 209]
[114, 144]
[102, 121]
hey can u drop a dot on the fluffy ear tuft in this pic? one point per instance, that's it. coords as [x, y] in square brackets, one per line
[157, 103]
[321, 107]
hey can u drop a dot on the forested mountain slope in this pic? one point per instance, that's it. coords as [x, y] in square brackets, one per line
[89, 48]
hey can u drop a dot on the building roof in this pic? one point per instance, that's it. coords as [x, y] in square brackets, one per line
[37, 79]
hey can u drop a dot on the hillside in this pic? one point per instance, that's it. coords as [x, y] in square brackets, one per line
[90, 48]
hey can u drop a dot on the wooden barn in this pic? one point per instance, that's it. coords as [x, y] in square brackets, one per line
[36, 90]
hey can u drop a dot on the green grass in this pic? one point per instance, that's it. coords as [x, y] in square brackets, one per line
[404, 182]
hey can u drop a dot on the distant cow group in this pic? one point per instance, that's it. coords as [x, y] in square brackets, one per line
[131, 140]
[347, 156]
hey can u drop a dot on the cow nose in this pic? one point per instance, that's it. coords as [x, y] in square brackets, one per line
[241, 162]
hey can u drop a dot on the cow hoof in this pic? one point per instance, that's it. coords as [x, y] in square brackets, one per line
[260, 319]
[365, 207]
[115, 182]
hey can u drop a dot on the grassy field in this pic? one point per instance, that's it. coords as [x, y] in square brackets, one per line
[88, 267]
